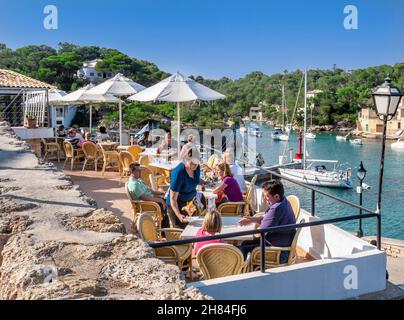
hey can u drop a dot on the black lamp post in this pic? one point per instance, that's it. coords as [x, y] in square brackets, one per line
[361, 174]
[386, 99]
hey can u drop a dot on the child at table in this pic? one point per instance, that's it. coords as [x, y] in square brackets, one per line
[212, 224]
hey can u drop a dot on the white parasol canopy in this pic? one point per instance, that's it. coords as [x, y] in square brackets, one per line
[177, 88]
[82, 96]
[119, 86]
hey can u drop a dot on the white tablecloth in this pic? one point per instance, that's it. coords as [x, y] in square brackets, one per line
[230, 225]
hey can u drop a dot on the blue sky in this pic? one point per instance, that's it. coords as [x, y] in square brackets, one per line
[216, 38]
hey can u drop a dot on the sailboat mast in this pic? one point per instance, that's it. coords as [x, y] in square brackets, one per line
[305, 119]
[283, 107]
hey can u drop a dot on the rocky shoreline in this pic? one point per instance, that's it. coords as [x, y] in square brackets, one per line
[56, 244]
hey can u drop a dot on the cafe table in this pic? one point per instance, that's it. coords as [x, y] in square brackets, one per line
[164, 165]
[229, 225]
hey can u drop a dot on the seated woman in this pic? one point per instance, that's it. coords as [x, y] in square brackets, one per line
[103, 135]
[184, 179]
[74, 139]
[229, 186]
[211, 224]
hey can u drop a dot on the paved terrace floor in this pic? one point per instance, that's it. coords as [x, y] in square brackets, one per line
[105, 190]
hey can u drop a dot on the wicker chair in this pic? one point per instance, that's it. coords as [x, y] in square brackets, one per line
[295, 203]
[139, 207]
[210, 163]
[91, 154]
[272, 255]
[144, 160]
[220, 260]
[181, 255]
[125, 159]
[72, 154]
[51, 147]
[145, 175]
[135, 151]
[111, 160]
[229, 209]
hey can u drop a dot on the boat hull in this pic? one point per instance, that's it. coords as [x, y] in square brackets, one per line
[314, 178]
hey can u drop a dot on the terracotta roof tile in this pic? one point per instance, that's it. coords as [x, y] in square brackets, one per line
[12, 79]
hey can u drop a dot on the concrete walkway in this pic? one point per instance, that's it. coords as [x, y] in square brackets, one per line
[105, 190]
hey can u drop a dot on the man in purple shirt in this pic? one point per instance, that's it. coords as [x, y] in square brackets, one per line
[280, 213]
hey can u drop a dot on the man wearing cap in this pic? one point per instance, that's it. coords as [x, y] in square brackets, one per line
[185, 177]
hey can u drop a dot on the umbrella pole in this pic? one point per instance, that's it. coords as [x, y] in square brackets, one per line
[178, 130]
[91, 117]
[120, 122]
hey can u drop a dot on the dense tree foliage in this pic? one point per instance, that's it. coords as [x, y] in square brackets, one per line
[343, 92]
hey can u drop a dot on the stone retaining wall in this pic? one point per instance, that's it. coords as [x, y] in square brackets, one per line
[393, 247]
[56, 244]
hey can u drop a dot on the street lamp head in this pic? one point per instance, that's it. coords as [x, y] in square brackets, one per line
[386, 98]
[361, 174]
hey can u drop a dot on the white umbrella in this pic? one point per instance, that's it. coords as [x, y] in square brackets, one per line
[82, 96]
[119, 86]
[177, 88]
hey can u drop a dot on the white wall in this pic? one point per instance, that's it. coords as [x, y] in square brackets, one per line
[323, 279]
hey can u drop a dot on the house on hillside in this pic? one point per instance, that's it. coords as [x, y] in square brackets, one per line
[256, 113]
[369, 122]
[89, 73]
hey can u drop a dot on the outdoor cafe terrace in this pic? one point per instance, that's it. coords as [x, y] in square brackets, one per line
[322, 255]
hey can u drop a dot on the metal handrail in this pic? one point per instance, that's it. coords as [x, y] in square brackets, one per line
[370, 214]
[262, 233]
[285, 227]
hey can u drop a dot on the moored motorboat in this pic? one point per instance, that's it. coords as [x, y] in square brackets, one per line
[356, 141]
[276, 133]
[310, 135]
[341, 138]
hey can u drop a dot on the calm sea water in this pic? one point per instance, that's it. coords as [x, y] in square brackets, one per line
[326, 147]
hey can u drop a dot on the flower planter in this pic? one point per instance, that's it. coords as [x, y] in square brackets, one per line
[31, 123]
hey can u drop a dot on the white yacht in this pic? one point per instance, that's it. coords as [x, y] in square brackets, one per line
[341, 138]
[276, 133]
[310, 135]
[255, 131]
[356, 142]
[319, 175]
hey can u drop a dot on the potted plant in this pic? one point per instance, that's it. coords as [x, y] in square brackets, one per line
[31, 121]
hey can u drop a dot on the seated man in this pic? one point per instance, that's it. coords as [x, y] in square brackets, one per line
[139, 190]
[280, 213]
[167, 145]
